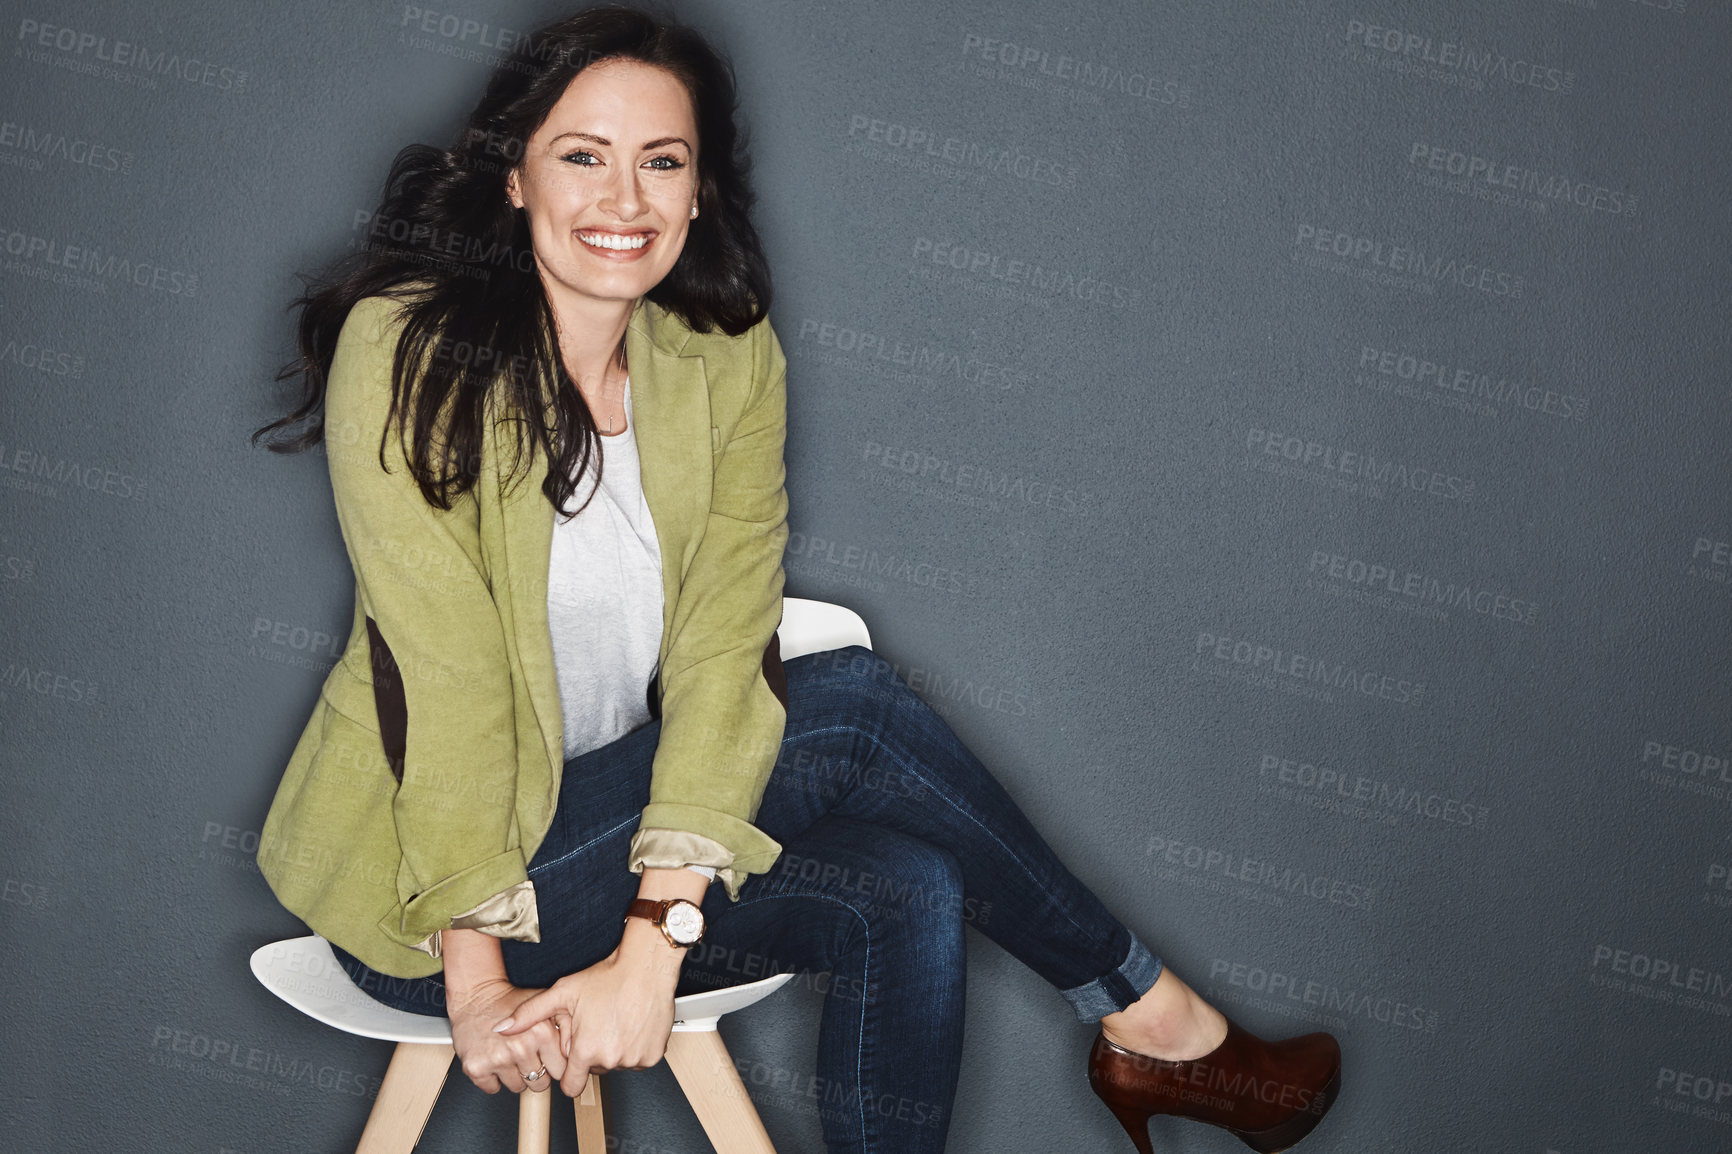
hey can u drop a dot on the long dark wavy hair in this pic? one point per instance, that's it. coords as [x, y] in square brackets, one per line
[461, 265]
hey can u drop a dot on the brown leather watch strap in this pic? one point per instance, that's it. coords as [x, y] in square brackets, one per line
[647, 908]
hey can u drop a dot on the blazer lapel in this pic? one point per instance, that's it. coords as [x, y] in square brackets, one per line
[670, 399]
[671, 409]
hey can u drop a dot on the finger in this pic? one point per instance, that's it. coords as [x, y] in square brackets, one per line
[553, 1059]
[540, 1008]
[525, 1060]
[566, 1027]
[535, 1073]
[481, 1073]
[576, 1076]
[547, 1059]
[537, 1051]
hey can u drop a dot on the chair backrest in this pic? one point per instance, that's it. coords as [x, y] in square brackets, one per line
[814, 626]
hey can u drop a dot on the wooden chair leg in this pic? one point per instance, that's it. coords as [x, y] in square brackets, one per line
[534, 1120]
[706, 1073]
[591, 1130]
[406, 1098]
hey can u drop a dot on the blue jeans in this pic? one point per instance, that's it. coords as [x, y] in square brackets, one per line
[894, 837]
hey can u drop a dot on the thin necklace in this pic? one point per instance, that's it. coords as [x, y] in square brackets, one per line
[621, 389]
[608, 432]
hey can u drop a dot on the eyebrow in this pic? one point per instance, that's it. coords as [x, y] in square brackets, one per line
[590, 136]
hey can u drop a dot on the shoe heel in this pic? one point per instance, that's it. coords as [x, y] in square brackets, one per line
[1136, 1124]
[1288, 1134]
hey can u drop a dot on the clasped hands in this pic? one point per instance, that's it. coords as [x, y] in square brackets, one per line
[615, 1014]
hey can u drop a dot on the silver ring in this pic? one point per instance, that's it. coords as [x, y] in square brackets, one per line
[533, 1077]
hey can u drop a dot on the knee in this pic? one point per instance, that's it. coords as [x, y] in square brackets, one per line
[928, 866]
[862, 676]
[919, 892]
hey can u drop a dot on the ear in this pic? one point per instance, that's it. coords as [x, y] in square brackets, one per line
[513, 190]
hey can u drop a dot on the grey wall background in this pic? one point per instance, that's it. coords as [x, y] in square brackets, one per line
[1289, 441]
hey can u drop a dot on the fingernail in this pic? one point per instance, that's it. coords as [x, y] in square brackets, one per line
[505, 1025]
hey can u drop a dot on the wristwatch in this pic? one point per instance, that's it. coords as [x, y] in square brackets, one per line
[681, 922]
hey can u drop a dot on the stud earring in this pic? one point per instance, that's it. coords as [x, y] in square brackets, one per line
[694, 212]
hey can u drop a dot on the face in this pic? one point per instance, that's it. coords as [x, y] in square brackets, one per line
[609, 182]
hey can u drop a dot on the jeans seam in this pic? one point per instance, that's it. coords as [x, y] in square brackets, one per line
[866, 980]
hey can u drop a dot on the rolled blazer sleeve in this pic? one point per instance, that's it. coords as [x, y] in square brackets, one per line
[723, 697]
[439, 659]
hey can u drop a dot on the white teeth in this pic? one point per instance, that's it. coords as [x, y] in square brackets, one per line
[614, 241]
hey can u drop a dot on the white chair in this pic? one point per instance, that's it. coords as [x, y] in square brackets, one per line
[304, 973]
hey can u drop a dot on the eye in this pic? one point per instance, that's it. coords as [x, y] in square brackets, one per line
[573, 157]
[673, 164]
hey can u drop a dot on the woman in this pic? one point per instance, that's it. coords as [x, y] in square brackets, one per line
[554, 411]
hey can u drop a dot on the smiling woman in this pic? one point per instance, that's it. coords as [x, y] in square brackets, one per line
[553, 728]
[577, 229]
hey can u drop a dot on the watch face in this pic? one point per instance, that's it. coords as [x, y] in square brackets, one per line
[685, 922]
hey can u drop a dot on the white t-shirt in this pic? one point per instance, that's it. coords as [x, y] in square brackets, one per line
[604, 599]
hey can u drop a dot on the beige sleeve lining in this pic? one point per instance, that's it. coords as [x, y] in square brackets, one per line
[511, 913]
[673, 849]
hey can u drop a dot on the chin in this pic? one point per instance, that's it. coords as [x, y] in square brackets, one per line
[621, 285]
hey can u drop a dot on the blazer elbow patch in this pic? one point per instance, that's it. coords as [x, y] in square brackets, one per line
[774, 674]
[388, 699]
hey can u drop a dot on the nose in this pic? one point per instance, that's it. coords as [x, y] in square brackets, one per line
[624, 194]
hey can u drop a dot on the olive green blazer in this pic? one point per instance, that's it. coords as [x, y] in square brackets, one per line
[428, 773]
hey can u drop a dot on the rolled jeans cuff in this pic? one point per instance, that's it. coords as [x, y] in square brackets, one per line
[1116, 990]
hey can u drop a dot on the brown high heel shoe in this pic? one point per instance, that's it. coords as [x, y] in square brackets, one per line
[1267, 1094]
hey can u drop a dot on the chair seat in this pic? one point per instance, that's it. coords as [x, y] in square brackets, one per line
[305, 973]
[695, 1012]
